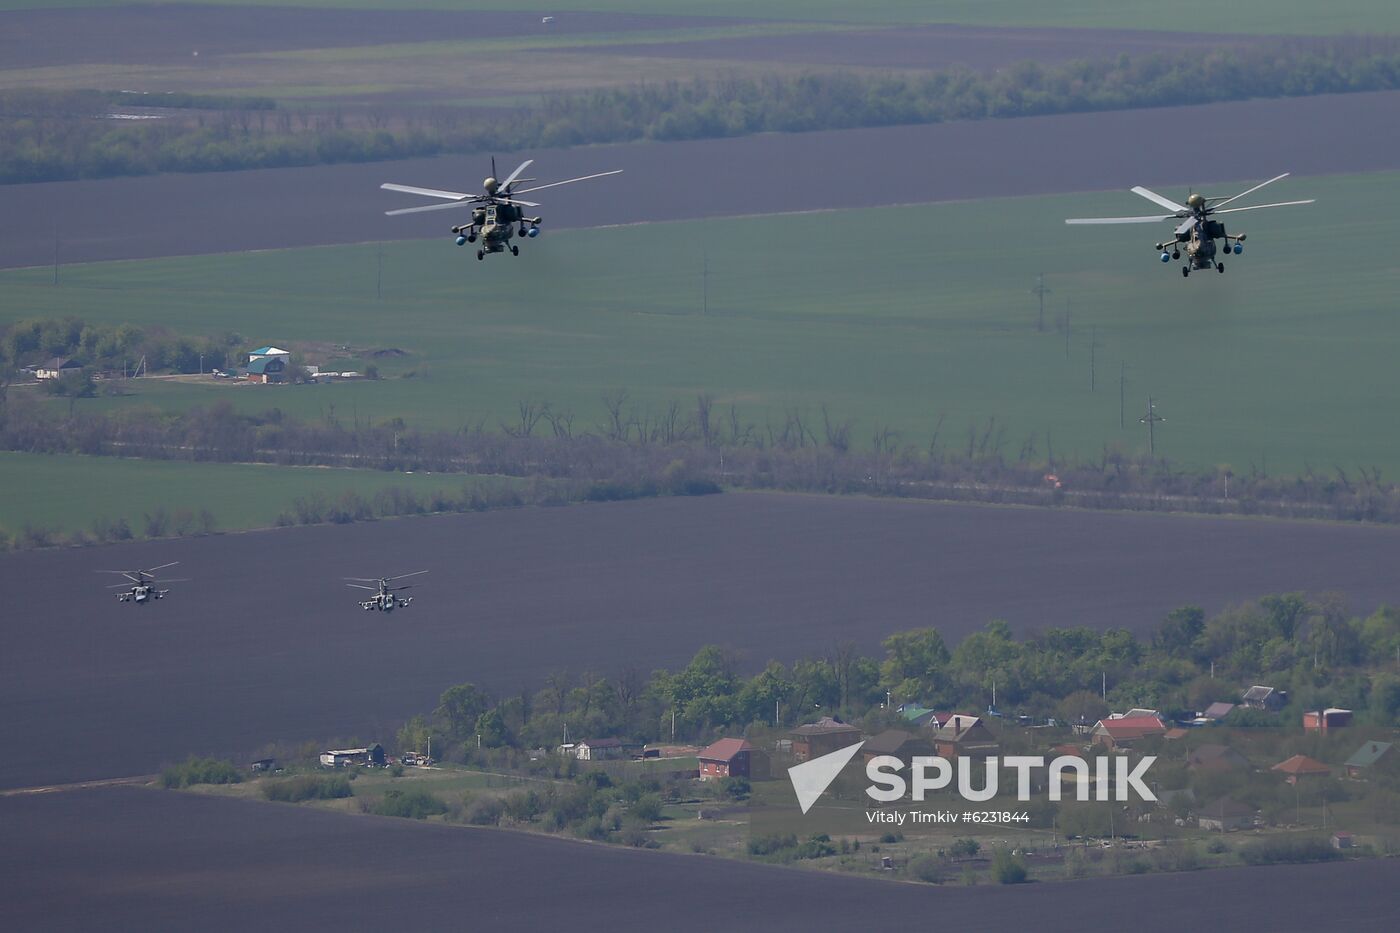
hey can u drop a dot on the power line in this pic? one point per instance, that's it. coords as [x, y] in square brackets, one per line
[1150, 419]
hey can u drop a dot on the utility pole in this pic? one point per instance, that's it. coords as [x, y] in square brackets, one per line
[379, 273]
[1041, 291]
[1150, 419]
[1093, 345]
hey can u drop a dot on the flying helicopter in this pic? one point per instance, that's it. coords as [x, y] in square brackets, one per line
[142, 587]
[384, 599]
[1198, 231]
[497, 215]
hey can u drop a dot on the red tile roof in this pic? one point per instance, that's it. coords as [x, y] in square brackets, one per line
[725, 750]
[1134, 727]
[1302, 764]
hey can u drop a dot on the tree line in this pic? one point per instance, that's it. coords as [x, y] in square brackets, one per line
[640, 450]
[48, 136]
[113, 347]
[1312, 648]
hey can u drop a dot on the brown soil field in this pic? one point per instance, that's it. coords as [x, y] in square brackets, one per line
[169, 34]
[267, 644]
[931, 47]
[132, 218]
[130, 858]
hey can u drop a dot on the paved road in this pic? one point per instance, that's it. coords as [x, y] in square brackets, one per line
[267, 644]
[183, 214]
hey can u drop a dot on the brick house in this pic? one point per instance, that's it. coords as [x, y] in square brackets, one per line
[732, 758]
[1125, 732]
[822, 737]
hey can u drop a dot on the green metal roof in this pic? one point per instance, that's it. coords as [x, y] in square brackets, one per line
[1368, 754]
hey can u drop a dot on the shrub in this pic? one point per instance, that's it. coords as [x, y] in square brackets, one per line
[927, 868]
[409, 804]
[1276, 851]
[1008, 868]
[307, 787]
[200, 771]
[485, 811]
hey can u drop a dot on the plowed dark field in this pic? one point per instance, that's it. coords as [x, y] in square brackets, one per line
[266, 643]
[133, 859]
[155, 34]
[134, 218]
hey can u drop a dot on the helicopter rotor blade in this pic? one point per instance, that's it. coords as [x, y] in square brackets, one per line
[1251, 190]
[427, 192]
[361, 586]
[514, 201]
[1157, 199]
[1256, 207]
[1122, 220]
[569, 181]
[429, 207]
[403, 575]
[161, 567]
[505, 185]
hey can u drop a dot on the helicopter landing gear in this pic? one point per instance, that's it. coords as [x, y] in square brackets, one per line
[480, 254]
[1220, 267]
[514, 250]
[1185, 271]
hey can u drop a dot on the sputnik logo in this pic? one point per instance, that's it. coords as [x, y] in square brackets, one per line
[811, 778]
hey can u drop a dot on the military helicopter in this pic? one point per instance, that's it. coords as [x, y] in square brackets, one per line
[495, 214]
[1198, 232]
[142, 587]
[384, 599]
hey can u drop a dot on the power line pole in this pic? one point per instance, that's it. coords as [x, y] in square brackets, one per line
[1150, 419]
[1041, 291]
[379, 273]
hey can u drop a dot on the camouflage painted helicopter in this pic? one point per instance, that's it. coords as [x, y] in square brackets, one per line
[496, 215]
[384, 599]
[142, 587]
[1198, 231]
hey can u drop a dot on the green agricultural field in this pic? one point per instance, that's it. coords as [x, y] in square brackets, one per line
[1241, 16]
[891, 318]
[57, 493]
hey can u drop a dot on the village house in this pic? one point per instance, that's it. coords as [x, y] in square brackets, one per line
[1125, 732]
[899, 743]
[1225, 815]
[1265, 698]
[1217, 711]
[822, 737]
[1367, 757]
[267, 369]
[1301, 767]
[732, 758]
[1213, 757]
[964, 736]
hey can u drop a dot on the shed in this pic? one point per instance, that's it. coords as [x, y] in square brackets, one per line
[1217, 711]
[57, 367]
[1321, 720]
[599, 750]
[266, 369]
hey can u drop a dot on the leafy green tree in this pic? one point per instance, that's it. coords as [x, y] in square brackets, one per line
[462, 706]
[916, 665]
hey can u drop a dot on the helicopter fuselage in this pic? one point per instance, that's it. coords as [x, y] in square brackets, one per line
[140, 594]
[1199, 243]
[495, 225]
